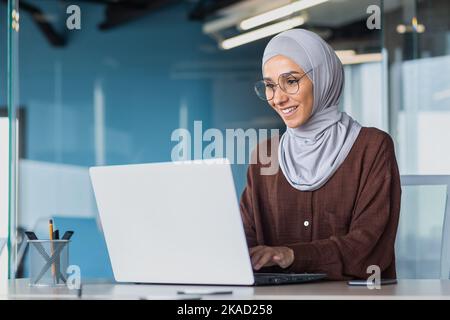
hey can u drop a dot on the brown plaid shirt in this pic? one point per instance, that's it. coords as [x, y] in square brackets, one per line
[340, 229]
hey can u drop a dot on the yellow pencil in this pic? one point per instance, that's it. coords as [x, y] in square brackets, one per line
[50, 230]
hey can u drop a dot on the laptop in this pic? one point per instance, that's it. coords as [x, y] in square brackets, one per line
[177, 223]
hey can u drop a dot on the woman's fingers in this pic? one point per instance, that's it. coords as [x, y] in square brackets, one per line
[268, 256]
[256, 249]
[278, 257]
[264, 260]
[283, 258]
[257, 254]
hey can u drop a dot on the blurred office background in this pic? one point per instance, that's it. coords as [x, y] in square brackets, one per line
[113, 92]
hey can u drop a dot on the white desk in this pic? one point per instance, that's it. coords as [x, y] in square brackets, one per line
[405, 289]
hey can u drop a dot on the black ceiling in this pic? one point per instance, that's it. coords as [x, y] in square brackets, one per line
[119, 12]
[204, 8]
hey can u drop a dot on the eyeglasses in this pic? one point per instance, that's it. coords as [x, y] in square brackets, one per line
[288, 82]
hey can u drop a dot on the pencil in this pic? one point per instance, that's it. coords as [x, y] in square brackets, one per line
[50, 230]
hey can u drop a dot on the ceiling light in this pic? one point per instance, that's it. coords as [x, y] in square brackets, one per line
[401, 28]
[360, 58]
[278, 13]
[420, 28]
[414, 27]
[261, 33]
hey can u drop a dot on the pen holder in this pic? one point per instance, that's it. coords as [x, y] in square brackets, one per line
[49, 260]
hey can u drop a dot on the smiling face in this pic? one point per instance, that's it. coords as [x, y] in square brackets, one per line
[295, 109]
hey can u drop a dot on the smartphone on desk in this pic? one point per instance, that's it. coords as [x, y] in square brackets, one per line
[366, 282]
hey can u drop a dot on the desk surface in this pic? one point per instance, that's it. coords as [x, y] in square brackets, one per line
[405, 289]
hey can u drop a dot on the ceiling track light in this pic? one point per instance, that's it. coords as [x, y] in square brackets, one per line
[261, 33]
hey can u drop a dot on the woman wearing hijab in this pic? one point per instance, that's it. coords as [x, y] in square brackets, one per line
[334, 206]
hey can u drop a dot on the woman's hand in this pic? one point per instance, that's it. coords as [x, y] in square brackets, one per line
[264, 256]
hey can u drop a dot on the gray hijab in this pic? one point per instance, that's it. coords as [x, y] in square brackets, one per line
[311, 153]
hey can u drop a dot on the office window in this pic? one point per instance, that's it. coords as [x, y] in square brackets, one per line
[416, 37]
[363, 96]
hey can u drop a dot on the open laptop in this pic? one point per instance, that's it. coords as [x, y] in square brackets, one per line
[177, 223]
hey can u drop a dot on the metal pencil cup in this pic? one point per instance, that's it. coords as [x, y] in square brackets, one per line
[49, 260]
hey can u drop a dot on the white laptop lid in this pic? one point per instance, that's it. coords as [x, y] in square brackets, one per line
[172, 223]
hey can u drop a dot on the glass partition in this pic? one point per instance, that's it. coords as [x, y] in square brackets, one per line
[419, 235]
[9, 132]
[417, 41]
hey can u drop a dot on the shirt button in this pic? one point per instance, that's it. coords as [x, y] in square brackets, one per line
[306, 223]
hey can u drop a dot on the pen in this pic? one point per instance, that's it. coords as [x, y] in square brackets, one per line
[57, 262]
[206, 292]
[67, 235]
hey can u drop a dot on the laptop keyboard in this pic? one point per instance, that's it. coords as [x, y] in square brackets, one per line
[286, 278]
